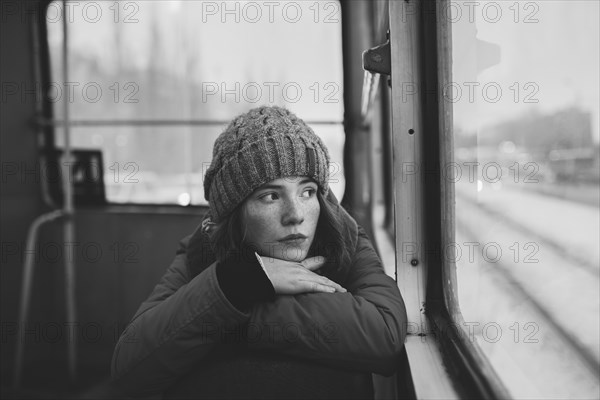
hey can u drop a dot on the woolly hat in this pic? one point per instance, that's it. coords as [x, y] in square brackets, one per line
[264, 144]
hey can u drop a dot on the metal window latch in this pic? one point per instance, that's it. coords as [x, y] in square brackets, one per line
[378, 59]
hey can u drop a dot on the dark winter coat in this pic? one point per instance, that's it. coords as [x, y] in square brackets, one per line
[188, 324]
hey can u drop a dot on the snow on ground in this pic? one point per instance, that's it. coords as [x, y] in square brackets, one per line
[521, 251]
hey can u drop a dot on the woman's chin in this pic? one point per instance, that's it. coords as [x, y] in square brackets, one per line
[291, 253]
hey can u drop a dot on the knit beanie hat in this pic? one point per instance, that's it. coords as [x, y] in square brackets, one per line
[264, 144]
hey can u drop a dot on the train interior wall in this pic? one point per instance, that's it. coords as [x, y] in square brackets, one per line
[119, 256]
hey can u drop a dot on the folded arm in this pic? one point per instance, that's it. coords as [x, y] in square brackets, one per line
[362, 329]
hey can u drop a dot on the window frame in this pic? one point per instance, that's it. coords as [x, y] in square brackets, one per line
[421, 54]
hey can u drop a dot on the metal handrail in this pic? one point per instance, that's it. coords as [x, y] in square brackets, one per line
[26, 284]
[69, 235]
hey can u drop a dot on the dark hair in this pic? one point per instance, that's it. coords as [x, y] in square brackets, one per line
[331, 240]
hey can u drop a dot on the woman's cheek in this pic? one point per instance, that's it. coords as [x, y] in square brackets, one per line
[314, 212]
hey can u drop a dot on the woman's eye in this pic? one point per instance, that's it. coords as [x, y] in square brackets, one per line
[269, 197]
[309, 192]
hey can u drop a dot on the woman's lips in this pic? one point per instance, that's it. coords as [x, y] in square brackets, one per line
[295, 239]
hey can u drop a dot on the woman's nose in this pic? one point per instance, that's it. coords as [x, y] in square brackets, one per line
[293, 213]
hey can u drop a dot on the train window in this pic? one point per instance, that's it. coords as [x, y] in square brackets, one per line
[153, 83]
[526, 172]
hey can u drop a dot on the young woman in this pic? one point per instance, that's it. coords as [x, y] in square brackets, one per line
[278, 281]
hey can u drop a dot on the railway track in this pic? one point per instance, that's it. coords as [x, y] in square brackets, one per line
[560, 291]
[503, 272]
[546, 238]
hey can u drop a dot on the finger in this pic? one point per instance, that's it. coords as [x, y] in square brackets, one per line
[324, 282]
[315, 287]
[311, 276]
[313, 263]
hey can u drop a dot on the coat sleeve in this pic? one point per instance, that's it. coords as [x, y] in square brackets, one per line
[174, 328]
[363, 329]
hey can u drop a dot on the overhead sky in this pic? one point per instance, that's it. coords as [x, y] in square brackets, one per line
[549, 60]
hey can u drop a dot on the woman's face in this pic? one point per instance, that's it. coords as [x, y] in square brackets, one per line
[281, 217]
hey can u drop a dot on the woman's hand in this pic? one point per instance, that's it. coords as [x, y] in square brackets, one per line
[290, 277]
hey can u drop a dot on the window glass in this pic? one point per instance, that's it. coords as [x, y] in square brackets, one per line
[525, 95]
[191, 61]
